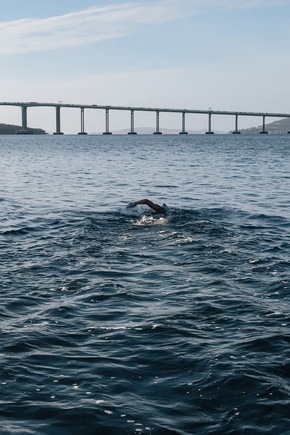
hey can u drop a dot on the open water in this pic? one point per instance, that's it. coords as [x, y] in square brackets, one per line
[113, 321]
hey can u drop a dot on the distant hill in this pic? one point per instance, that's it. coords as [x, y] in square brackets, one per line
[277, 127]
[17, 129]
[151, 130]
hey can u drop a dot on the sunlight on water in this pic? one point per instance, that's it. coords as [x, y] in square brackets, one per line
[119, 321]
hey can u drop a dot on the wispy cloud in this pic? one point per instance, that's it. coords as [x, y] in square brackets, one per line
[84, 27]
[100, 23]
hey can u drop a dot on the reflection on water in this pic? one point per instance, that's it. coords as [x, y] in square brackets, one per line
[123, 322]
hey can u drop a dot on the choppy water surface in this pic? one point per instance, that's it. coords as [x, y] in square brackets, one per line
[116, 322]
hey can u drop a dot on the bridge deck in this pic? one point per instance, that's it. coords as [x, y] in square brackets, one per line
[147, 109]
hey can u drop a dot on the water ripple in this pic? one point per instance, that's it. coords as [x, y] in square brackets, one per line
[116, 322]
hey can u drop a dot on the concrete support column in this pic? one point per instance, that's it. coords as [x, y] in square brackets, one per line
[132, 123]
[209, 125]
[57, 120]
[107, 122]
[183, 124]
[264, 126]
[236, 126]
[82, 121]
[24, 117]
[157, 124]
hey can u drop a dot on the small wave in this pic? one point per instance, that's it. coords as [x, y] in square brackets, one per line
[18, 231]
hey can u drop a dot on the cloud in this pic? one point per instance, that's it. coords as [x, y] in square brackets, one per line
[96, 24]
[80, 28]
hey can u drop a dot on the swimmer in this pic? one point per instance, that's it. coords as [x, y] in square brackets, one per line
[157, 208]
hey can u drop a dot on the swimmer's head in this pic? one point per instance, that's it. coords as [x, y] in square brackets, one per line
[166, 208]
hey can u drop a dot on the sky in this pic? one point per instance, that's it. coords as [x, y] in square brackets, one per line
[184, 54]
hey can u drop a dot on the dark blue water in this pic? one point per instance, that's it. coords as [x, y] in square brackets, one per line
[116, 322]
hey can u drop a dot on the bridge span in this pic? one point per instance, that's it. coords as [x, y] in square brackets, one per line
[183, 112]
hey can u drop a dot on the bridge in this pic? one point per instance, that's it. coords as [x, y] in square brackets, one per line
[183, 112]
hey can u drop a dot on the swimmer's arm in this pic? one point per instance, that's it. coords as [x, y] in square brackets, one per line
[150, 204]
